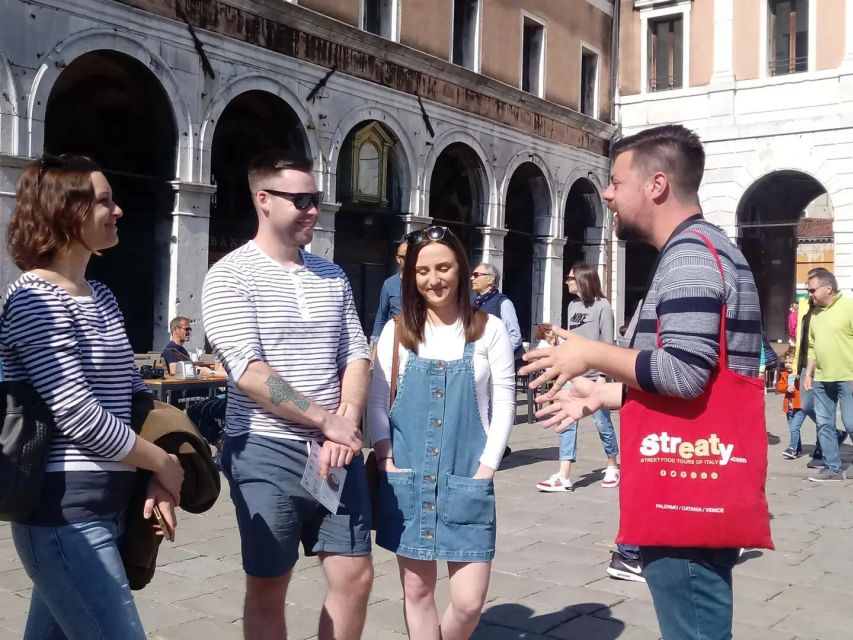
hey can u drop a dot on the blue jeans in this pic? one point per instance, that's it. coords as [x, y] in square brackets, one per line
[691, 590]
[628, 551]
[80, 589]
[569, 437]
[796, 417]
[827, 396]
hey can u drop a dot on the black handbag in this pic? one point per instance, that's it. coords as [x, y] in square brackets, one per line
[24, 442]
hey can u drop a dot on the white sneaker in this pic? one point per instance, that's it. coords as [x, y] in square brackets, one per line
[555, 483]
[611, 478]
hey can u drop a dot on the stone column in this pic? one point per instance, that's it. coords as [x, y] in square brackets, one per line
[548, 280]
[723, 41]
[182, 244]
[493, 247]
[10, 171]
[618, 281]
[323, 243]
[413, 222]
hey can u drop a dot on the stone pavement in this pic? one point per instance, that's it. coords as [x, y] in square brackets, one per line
[549, 576]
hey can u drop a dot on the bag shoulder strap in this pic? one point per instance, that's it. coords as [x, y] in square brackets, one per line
[395, 364]
[724, 350]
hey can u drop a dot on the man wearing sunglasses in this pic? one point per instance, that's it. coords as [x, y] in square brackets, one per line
[284, 324]
[484, 281]
[389, 298]
[180, 332]
[829, 369]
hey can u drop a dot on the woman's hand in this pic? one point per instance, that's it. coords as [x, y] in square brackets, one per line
[584, 397]
[484, 472]
[170, 476]
[157, 496]
[386, 465]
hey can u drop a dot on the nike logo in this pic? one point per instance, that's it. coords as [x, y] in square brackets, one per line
[637, 570]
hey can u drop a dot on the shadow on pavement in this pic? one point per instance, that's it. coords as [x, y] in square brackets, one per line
[519, 621]
[523, 457]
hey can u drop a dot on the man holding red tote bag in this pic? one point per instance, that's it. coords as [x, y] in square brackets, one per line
[692, 422]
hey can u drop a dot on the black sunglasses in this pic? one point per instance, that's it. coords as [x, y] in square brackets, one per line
[300, 200]
[424, 235]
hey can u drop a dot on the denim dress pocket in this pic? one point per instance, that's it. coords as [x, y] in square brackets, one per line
[397, 495]
[469, 501]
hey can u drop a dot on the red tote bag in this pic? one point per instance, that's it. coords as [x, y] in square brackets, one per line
[693, 471]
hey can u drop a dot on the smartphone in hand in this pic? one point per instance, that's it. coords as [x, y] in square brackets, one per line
[162, 522]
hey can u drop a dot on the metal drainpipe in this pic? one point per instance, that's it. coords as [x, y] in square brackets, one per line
[614, 59]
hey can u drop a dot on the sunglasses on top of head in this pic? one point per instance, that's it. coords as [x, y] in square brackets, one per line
[430, 233]
[300, 200]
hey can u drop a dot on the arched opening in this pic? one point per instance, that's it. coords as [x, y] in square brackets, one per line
[110, 107]
[784, 229]
[457, 195]
[639, 260]
[527, 200]
[583, 208]
[371, 173]
[252, 122]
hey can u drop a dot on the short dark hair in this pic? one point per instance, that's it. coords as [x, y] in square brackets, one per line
[269, 162]
[176, 322]
[671, 149]
[54, 197]
[589, 284]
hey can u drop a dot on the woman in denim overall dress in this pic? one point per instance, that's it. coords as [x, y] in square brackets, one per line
[440, 443]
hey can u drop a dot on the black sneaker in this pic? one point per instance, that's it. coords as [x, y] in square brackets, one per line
[827, 476]
[841, 435]
[791, 454]
[622, 568]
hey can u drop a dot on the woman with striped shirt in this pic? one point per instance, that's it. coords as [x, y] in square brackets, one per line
[65, 335]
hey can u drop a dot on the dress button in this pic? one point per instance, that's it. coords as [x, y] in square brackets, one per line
[429, 506]
[429, 478]
[434, 451]
[440, 366]
[428, 535]
[439, 393]
[437, 422]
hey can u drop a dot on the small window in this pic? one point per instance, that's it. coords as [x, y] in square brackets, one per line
[379, 17]
[533, 57]
[789, 36]
[465, 26]
[666, 53]
[589, 83]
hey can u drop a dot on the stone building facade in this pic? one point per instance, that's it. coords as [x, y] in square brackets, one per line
[492, 118]
[768, 85]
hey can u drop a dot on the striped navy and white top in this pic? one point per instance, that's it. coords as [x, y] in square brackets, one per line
[301, 321]
[686, 294]
[74, 351]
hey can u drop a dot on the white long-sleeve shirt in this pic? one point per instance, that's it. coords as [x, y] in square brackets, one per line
[494, 374]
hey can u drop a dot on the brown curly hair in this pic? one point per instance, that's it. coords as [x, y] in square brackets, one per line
[53, 199]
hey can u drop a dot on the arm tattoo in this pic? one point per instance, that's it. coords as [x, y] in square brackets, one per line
[280, 392]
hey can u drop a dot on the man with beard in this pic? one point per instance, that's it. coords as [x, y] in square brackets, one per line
[284, 324]
[653, 190]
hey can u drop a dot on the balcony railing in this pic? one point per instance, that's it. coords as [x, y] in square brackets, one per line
[784, 66]
[664, 83]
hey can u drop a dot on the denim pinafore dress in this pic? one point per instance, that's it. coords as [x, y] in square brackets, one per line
[432, 509]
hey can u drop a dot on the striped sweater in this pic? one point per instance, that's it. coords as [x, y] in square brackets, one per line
[302, 322]
[75, 352]
[686, 295]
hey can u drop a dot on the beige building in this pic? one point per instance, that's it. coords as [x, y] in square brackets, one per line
[768, 84]
[491, 117]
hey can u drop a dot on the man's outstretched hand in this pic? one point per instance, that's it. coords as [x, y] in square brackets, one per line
[579, 400]
[561, 363]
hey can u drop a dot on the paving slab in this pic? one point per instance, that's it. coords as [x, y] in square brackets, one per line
[548, 580]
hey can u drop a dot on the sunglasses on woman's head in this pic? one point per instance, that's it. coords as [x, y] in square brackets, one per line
[430, 233]
[48, 161]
